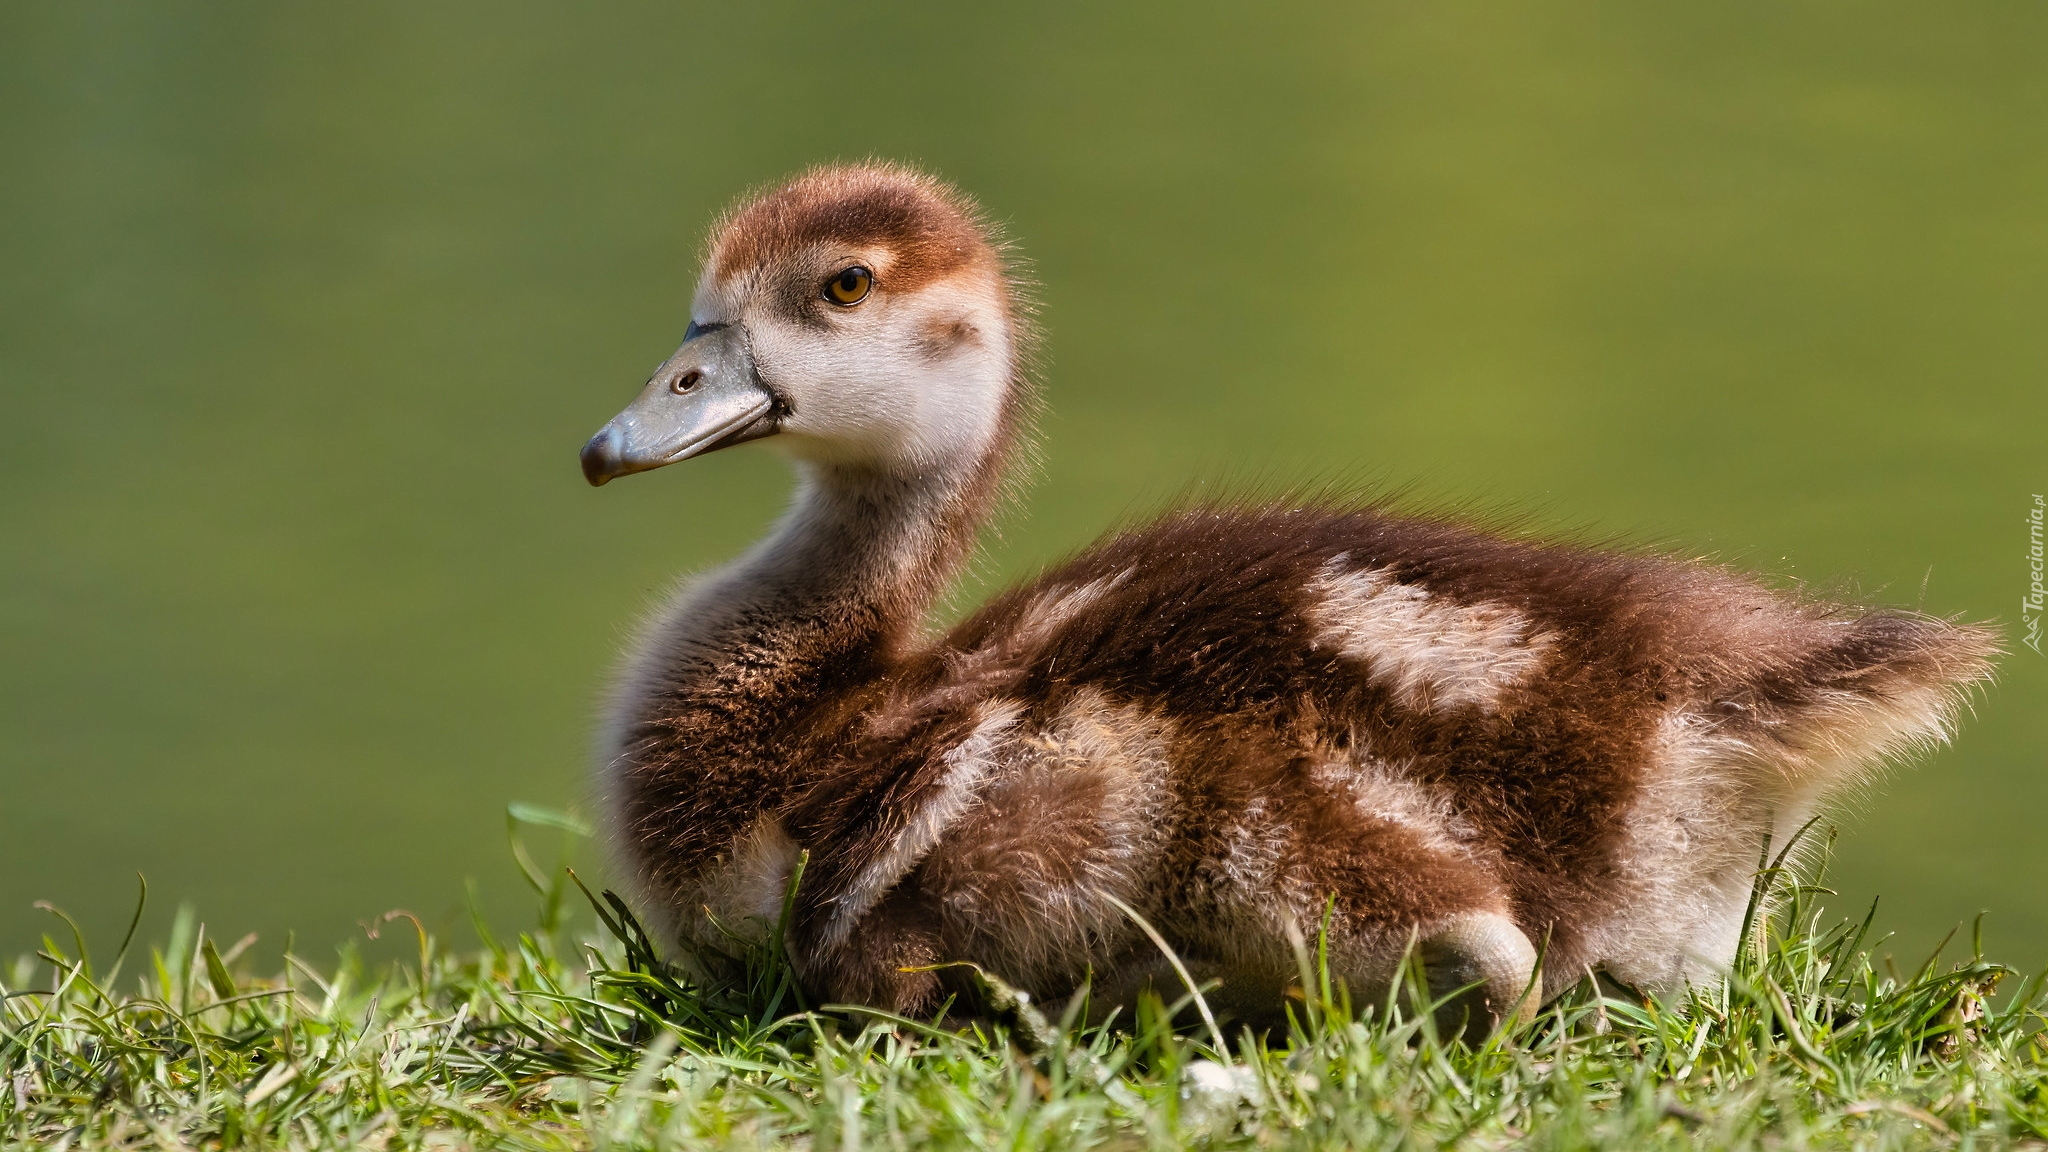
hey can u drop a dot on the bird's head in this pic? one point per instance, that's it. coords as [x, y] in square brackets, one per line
[860, 315]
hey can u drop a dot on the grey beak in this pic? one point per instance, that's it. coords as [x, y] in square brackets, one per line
[706, 397]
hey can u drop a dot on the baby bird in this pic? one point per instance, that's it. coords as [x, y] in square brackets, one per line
[1246, 723]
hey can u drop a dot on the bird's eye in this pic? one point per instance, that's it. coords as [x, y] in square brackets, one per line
[851, 286]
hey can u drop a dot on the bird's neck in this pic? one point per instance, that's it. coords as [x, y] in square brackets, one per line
[868, 547]
[828, 601]
[741, 699]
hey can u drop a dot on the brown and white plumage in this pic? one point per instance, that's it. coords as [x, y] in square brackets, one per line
[1231, 719]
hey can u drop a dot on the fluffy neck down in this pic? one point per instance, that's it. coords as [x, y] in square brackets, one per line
[854, 564]
[724, 706]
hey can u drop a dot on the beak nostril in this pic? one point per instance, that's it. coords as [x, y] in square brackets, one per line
[687, 380]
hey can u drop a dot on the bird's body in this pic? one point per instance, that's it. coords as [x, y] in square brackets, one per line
[1243, 722]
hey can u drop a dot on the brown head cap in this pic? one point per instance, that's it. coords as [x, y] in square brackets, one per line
[930, 230]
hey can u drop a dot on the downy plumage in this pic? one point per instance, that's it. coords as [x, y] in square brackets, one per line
[1243, 721]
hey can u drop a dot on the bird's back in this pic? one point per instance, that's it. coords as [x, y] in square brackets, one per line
[1234, 711]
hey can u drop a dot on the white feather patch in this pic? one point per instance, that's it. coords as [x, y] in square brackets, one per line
[744, 894]
[1711, 797]
[966, 765]
[1390, 793]
[1688, 853]
[1060, 603]
[1431, 653]
[1077, 808]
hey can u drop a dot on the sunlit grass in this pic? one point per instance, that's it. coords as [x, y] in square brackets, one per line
[575, 1035]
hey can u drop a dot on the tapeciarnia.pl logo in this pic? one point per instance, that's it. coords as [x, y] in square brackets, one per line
[2031, 605]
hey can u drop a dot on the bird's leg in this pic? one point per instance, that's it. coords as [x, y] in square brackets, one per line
[885, 962]
[1485, 965]
[1392, 891]
[1121, 984]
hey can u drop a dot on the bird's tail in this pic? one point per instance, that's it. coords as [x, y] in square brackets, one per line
[1874, 688]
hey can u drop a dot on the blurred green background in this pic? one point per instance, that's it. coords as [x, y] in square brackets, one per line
[305, 310]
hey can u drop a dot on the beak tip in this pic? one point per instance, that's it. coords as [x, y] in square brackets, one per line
[600, 458]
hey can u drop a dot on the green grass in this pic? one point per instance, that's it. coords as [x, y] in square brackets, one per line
[568, 1038]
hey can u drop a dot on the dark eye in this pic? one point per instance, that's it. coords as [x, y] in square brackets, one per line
[851, 286]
